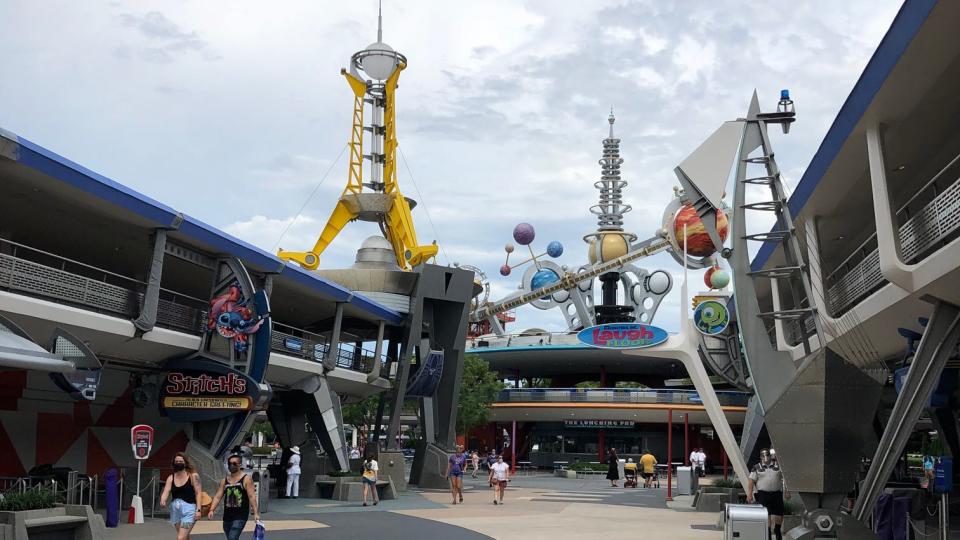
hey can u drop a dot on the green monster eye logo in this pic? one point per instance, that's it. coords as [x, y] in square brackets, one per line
[711, 317]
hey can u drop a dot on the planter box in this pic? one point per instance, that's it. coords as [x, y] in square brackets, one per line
[565, 473]
[713, 499]
[73, 522]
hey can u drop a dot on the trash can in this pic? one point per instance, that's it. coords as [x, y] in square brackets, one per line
[744, 522]
[261, 489]
[687, 482]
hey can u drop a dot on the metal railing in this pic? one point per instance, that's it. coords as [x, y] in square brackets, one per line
[930, 218]
[310, 346]
[78, 488]
[617, 395]
[34, 272]
[31, 271]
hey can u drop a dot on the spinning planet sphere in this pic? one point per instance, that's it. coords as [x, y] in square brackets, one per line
[523, 233]
[505, 270]
[508, 248]
[716, 278]
[554, 249]
[543, 278]
[699, 243]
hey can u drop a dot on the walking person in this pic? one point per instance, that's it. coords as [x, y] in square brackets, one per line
[649, 465]
[767, 478]
[456, 464]
[239, 498]
[491, 459]
[613, 467]
[475, 459]
[369, 479]
[282, 473]
[499, 476]
[183, 488]
[293, 473]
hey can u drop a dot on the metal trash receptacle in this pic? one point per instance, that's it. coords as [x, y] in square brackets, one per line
[687, 483]
[261, 489]
[744, 522]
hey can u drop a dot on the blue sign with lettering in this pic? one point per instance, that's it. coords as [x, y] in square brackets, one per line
[622, 336]
[292, 344]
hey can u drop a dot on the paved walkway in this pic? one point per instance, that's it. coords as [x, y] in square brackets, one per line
[537, 507]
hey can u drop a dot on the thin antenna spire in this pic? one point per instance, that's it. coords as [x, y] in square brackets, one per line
[380, 21]
[611, 119]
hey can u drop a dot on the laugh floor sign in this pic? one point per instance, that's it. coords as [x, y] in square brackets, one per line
[622, 336]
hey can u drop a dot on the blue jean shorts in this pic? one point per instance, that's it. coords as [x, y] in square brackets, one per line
[182, 513]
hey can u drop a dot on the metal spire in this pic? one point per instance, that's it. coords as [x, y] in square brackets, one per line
[610, 209]
[380, 21]
[611, 119]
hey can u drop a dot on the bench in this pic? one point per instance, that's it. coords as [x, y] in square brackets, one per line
[348, 489]
[55, 522]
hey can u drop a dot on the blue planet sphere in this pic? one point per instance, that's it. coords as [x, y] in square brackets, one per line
[554, 249]
[543, 278]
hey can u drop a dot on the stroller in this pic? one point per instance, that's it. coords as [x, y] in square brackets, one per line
[630, 477]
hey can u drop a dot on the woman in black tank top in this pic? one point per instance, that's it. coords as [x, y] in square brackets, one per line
[238, 496]
[183, 489]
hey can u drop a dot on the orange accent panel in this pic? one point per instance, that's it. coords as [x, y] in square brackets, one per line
[12, 384]
[120, 412]
[81, 414]
[56, 433]
[163, 456]
[98, 459]
[10, 464]
[579, 405]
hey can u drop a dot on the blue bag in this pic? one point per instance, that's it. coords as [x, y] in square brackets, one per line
[259, 532]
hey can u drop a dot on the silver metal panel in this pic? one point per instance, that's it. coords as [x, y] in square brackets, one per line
[817, 425]
[709, 165]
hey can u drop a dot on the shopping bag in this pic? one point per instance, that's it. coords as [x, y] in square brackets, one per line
[259, 532]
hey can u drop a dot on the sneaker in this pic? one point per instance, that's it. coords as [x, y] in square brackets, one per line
[364, 504]
[376, 503]
[461, 498]
[494, 501]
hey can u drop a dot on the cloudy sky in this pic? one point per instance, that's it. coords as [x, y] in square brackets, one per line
[233, 111]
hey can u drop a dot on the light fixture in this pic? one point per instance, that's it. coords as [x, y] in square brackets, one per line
[899, 168]
[839, 237]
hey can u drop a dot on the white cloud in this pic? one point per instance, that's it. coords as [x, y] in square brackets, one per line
[500, 112]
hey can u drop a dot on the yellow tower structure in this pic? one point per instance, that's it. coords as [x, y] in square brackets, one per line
[382, 203]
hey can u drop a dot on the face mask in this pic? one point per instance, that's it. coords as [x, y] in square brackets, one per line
[179, 466]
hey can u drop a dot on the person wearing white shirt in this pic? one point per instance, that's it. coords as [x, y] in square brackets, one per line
[499, 476]
[701, 462]
[293, 473]
[369, 479]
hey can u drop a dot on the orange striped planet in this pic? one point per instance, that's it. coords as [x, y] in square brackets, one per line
[698, 241]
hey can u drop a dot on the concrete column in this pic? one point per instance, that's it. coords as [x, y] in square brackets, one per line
[151, 297]
[888, 233]
[330, 361]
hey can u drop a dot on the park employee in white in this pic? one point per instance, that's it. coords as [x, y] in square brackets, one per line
[293, 473]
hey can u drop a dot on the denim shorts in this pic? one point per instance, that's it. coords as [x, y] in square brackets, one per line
[182, 513]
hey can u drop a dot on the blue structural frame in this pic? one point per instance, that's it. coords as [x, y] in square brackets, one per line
[75, 175]
[905, 26]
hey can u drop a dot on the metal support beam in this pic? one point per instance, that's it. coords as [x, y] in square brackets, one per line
[330, 361]
[937, 345]
[375, 369]
[151, 297]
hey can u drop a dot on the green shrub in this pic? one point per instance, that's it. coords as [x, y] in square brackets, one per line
[584, 466]
[730, 483]
[30, 500]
